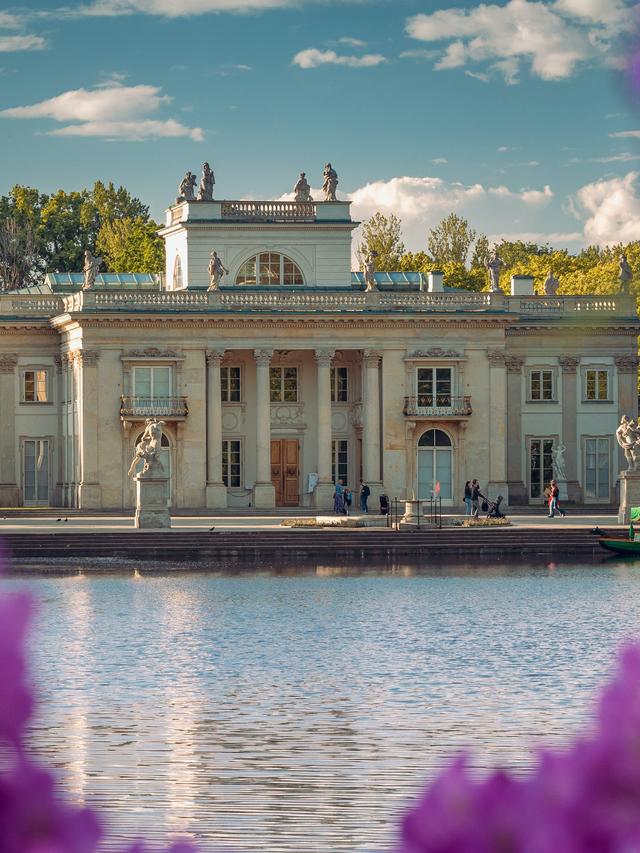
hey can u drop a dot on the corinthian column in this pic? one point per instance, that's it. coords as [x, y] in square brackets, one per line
[497, 484]
[216, 492]
[89, 491]
[569, 366]
[371, 425]
[264, 493]
[9, 490]
[515, 480]
[324, 489]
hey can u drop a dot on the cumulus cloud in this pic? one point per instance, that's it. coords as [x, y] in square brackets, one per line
[176, 8]
[314, 58]
[351, 41]
[610, 210]
[626, 134]
[110, 110]
[10, 44]
[553, 38]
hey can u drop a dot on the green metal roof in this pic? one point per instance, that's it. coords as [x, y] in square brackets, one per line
[69, 281]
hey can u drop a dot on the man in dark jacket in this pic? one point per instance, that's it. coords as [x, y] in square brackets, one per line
[365, 491]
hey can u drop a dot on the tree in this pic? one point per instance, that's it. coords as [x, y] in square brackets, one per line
[382, 234]
[20, 262]
[131, 245]
[481, 253]
[450, 241]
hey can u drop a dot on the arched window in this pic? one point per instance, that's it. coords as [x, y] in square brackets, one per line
[177, 274]
[435, 465]
[269, 268]
[434, 438]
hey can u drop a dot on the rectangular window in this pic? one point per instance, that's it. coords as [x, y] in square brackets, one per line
[596, 384]
[232, 462]
[597, 476]
[540, 465]
[230, 384]
[435, 386]
[283, 384]
[541, 385]
[35, 388]
[152, 382]
[340, 460]
[339, 384]
[36, 471]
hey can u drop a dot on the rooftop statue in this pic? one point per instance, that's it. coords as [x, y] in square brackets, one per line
[208, 179]
[369, 268]
[628, 437]
[626, 274]
[551, 284]
[148, 448]
[329, 183]
[90, 269]
[216, 271]
[494, 265]
[302, 189]
[187, 188]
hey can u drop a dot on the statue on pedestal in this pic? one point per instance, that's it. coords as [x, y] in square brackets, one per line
[369, 268]
[329, 183]
[625, 275]
[216, 271]
[551, 284]
[205, 193]
[628, 437]
[90, 269]
[187, 188]
[494, 265]
[558, 462]
[302, 189]
[148, 448]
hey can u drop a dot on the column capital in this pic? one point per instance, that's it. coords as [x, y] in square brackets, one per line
[87, 357]
[626, 363]
[263, 357]
[496, 357]
[57, 360]
[569, 363]
[324, 356]
[8, 362]
[372, 358]
[214, 357]
[514, 363]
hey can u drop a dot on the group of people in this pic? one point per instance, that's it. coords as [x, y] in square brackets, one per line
[472, 498]
[343, 498]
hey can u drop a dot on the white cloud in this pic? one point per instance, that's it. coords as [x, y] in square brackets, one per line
[10, 44]
[625, 157]
[610, 210]
[439, 161]
[504, 148]
[552, 37]
[478, 75]
[351, 41]
[554, 238]
[419, 53]
[314, 58]
[110, 110]
[626, 134]
[176, 8]
[9, 21]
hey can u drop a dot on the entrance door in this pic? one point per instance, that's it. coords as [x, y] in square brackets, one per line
[597, 481]
[285, 471]
[35, 478]
[540, 466]
[435, 466]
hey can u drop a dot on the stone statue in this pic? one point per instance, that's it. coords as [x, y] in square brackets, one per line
[494, 265]
[302, 189]
[628, 437]
[626, 274]
[216, 271]
[205, 193]
[187, 188]
[90, 269]
[369, 267]
[148, 448]
[551, 284]
[558, 462]
[329, 183]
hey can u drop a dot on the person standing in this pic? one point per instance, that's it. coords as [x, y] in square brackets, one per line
[554, 495]
[475, 498]
[467, 498]
[348, 498]
[338, 499]
[365, 491]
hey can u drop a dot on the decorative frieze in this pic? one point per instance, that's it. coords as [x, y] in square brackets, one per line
[152, 352]
[569, 363]
[435, 352]
[626, 363]
[8, 362]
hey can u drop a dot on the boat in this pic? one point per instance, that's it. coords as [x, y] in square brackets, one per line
[620, 546]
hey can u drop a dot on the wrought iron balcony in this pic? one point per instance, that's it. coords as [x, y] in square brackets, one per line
[139, 408]
[439, 406]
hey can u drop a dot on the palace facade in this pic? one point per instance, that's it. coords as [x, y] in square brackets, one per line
[291, 376]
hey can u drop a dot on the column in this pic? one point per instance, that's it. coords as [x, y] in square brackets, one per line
[515, 480]
[569, 367]
[9, 489]
[627, 370]
[264, 493]
[58, 488]
[323, 492]
[497, 438]
[216, 491]
[89, 491]
[371, 425]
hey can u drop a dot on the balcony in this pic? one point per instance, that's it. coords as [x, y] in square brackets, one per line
[445, 407]
[164, 408]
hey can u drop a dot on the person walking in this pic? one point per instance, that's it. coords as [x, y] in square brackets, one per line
[348, 498]
[475, 498]
[554, 495]
[365, 491]
[338, 499]
[467, 497]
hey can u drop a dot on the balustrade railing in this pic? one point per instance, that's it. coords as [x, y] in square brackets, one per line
[562, 305]
[269, 211]
[31, 304]
[153, 407]
[439, 405]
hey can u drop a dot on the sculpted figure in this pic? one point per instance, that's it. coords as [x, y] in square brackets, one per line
[148, 448]
[626, 274]
[187, 188]
[551, 284]
[369, 268]
[329, 183]
[494, 265]
[205, 193]
[90, 269]
[302, 189]
[558, 462]
[628, 437]
[216, 271]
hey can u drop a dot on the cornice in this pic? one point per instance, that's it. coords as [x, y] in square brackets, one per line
[530, 331]
[271, 322]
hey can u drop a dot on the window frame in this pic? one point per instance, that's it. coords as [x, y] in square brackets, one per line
[282, 398]
[596, 368]
[177, 275]
[433, 369]
[542, 369]
[266, 259]
[225, 370]
[35, 369]
[336, 464]
[227, 464]
[339, 394]
[152, 367]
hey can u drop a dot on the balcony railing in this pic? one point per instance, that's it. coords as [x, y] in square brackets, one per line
[269, 211]
[138, 408]
[439, 406]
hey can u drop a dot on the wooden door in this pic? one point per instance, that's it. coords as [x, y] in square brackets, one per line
[285, 471]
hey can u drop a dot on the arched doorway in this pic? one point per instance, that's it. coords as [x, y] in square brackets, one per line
[435, 465]
[165, 460]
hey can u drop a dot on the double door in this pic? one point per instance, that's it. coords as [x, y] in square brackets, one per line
[285, 470]
[35, 471]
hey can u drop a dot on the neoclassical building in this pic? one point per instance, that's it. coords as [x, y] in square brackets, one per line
[291, 376]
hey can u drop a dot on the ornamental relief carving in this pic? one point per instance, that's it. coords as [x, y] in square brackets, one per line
[496, 357]
[435, 352]
[8, 362]
[569, 364]
[152, 352]
[288, 416]
[627, 363]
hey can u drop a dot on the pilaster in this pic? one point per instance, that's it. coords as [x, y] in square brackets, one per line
[497, 438]
[371, 426]
[324, 489]
[569, 366]
[264, 493]
[515, 479]
[89, 491]
[216, 491]
[9, 489]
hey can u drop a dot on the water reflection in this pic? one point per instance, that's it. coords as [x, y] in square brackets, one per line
[277, 708]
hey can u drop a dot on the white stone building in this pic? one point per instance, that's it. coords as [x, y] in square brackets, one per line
[291, 375]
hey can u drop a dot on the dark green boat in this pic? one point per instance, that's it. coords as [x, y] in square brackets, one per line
[629, 547]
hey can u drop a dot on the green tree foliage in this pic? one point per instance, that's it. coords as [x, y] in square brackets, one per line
[382, 234]
[451, 240]
[20, 263]
[130, 245]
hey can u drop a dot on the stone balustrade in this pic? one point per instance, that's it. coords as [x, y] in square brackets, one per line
[138, 408]
[32, 304]
[269, 211]
[621, 305]
[442, 406]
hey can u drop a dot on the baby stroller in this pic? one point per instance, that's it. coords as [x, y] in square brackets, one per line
[384, 505]
[492, 508]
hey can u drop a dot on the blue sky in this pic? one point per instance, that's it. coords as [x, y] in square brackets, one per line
[507, 112]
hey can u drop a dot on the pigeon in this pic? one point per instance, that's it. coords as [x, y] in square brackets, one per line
[58, 519]
[211, 529]
[66, 519]
[597, 532]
